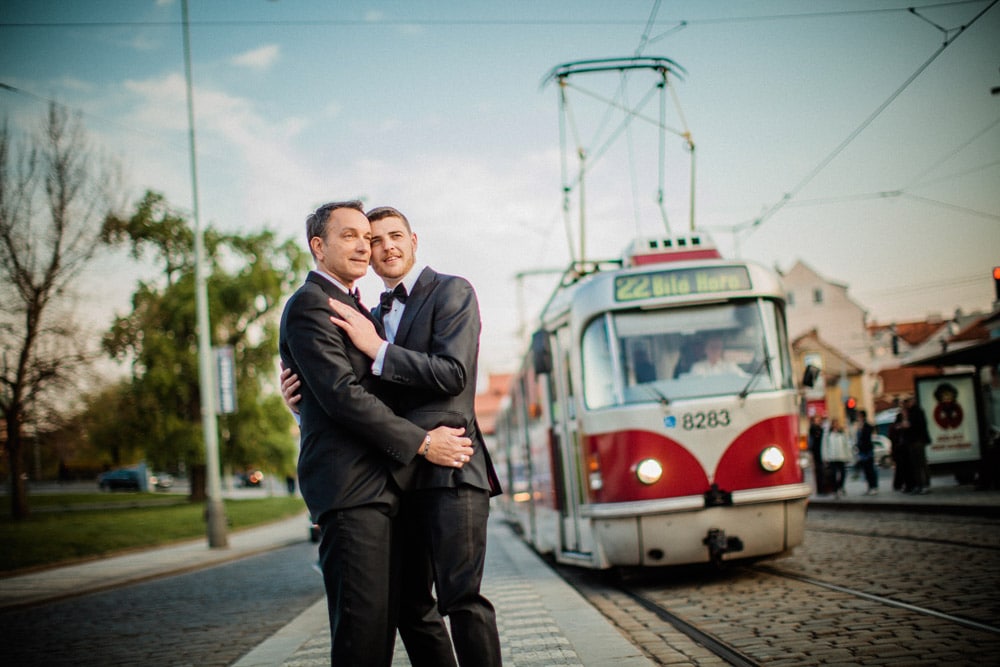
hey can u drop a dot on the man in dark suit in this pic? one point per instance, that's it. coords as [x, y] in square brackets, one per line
[429, 359]
[355, 452]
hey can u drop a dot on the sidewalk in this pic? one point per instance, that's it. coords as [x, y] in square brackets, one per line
[945, 496]
[95, 575]
[542, 620]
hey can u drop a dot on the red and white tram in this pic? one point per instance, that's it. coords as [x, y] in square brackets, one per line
[623, 443]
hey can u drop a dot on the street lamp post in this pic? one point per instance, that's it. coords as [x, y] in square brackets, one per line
[214, 509]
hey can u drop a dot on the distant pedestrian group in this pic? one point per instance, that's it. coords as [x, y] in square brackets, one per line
[833, 451]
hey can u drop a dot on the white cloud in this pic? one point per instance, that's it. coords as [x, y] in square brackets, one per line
[261, 58]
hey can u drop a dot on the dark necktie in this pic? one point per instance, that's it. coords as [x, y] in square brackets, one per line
[385, 300]
[356, 295]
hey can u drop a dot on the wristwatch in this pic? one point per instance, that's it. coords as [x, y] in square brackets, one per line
[424, 447]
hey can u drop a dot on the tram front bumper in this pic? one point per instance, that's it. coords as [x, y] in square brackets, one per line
[763, 523]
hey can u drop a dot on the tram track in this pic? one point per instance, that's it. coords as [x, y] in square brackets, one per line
[860, 589]
[728, 652]
[750, 640]
[881, 599]
[910, 538]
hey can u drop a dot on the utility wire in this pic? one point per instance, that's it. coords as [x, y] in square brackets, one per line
[955, 283]
[468, 22]
[868, 121]
[916, 179]
[650, 22]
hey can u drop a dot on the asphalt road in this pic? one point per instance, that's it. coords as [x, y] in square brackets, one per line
[204, 618]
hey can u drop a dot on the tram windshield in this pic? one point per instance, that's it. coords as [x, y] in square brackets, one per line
[669, 354]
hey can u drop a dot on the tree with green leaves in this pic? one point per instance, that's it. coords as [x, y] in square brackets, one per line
[248, 276]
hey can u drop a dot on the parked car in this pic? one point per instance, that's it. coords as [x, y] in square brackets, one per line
[161, 481]
[883, 450]
[121, 479]
[249, 479]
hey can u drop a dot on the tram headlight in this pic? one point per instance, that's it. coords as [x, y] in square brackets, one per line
[772, 459]
[649, 471]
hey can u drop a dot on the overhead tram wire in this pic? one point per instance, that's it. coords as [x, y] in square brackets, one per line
[949, 40]
[633, 175]
[915, 181]
[957, 174]
[471, 22]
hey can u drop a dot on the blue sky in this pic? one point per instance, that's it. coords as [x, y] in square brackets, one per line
[439, 108]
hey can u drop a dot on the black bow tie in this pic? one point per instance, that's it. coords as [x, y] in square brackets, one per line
[385, 300]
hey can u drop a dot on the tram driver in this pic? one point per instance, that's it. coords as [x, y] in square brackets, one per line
[715, 362]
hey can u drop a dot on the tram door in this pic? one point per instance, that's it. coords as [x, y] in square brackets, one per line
[564, 443]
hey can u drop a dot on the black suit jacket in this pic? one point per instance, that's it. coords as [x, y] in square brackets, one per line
[432, 366]
[351, 442]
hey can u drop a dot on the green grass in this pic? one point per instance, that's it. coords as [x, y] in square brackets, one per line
[125, 522]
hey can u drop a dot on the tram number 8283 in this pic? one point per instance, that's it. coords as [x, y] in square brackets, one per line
[694, 421]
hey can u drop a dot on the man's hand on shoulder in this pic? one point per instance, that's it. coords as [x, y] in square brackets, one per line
[357, 326]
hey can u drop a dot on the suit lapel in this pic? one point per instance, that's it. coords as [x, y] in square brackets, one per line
[340, 295]
[422, 290]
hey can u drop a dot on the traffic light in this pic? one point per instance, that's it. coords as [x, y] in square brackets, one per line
[996, 281]
[851, 407]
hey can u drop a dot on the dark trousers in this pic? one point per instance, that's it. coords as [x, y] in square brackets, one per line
[356, 556]
[818, 470]
[448, 526]
[421, 626]
[919, 479]
[839, 470]
[871, 474]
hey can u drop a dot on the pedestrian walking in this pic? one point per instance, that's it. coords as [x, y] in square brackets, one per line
[837, 454]
[866, 453]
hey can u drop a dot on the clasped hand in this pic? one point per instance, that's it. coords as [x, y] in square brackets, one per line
[449, 447]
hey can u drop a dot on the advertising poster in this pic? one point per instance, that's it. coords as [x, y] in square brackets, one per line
[949, 403]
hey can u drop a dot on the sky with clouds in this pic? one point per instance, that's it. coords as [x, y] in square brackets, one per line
[863, 137]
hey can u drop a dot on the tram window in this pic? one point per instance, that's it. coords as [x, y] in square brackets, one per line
[658, 354]
[598, 377]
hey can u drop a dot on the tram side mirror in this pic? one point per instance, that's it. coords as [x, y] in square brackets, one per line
[809, 377]
[541, 352]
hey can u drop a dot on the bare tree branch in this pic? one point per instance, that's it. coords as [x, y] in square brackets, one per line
[52, 201]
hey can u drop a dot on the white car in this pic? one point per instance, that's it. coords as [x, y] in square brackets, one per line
[883, 450]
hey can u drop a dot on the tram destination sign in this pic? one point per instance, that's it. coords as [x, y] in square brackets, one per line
[681, 282]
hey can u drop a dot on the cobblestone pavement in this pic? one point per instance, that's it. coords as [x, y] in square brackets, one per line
[947, 564]
[202, 619]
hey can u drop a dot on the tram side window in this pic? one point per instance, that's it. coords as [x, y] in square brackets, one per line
[598, 376]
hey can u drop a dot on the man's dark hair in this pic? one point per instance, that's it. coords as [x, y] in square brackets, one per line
[387, 212]
[316, 221]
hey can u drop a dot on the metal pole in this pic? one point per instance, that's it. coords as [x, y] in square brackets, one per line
[214, 509]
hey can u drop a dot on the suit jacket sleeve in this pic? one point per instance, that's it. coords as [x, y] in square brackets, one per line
[449, 359]
[321, 354]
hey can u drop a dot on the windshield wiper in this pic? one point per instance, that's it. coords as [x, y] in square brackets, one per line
[756, 374]
[661, 397]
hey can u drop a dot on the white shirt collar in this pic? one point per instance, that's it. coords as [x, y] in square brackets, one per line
[333, 280]
[410, 279]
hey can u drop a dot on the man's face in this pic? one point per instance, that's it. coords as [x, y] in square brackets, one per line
[394, 249]
[713, 349]
[345, 251]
